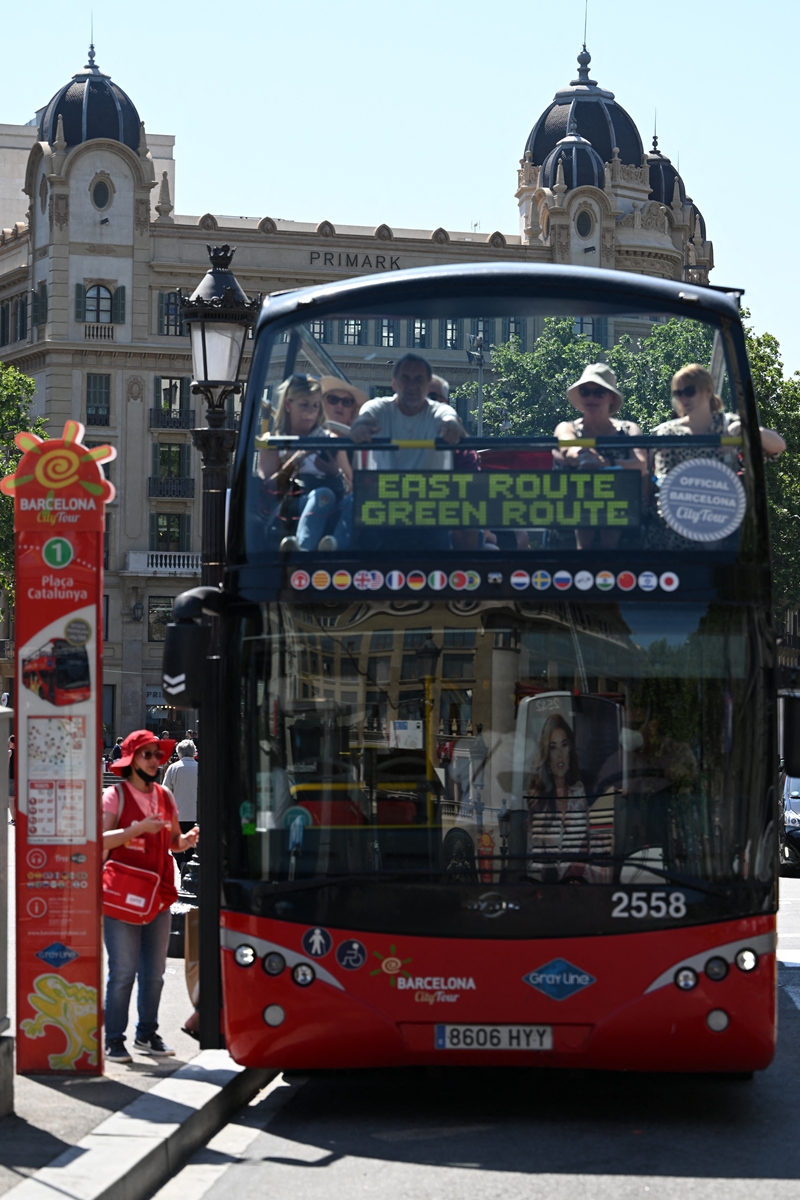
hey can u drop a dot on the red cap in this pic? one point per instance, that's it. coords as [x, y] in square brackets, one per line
[137, 741]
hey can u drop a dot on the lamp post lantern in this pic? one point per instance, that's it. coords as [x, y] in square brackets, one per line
[219, 316]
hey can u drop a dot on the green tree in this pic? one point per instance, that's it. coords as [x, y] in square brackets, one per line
[526, 393]
[16, 395]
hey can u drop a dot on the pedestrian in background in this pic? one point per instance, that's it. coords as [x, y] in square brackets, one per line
[181, 779]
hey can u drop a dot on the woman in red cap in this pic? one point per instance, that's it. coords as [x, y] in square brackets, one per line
[140, 828]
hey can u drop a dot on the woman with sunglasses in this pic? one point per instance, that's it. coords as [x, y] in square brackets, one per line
[598, 399]
[315, 482]
[140, 829]
[700, 411]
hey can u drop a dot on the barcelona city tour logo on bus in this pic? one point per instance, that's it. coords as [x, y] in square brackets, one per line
[392, 965]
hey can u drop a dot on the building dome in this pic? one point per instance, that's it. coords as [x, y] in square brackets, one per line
[91, 106]
[581, 163]
[662, 183]
[593, 113]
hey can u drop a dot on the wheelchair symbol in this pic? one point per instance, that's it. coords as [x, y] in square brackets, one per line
[351, 955]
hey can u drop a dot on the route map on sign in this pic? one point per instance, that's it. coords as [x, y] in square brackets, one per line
[56, 778]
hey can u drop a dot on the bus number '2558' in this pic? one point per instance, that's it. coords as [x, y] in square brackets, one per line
[648, 904]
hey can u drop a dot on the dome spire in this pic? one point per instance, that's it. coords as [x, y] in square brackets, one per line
[584, 58]
[91, 64]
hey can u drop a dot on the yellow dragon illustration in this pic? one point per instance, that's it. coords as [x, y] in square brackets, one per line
[72, 1008]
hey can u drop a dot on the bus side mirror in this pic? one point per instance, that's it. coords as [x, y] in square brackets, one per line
[791, 735]
[183, 671]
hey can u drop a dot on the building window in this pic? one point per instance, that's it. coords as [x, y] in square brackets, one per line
[171, 461]
[378, 669]
[159, 614]
[169, 316]
[457, 666]
[101, 195]
[98, 399]
[321, 330]
[451, 335]
[484, 325]
[105, 618]
[584, 224]
[514, 327]
[106, 541]
[170, 532]
[409, 668]
[584, 327]
[456, 639]
[171, 393]
[104, 466]
[109, 714]
[352, 332]
[98, 305]
[382, 639]
[388, 332]
[39, 305]
[419, 334]
[5, 321]
[21, 317]
[413, 638]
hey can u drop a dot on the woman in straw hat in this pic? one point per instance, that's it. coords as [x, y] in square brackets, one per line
[597, 398]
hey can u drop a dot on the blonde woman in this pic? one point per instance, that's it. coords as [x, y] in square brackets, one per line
[699, 410]
[315, 481]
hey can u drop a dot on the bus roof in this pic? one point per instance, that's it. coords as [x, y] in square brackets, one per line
[595, 288]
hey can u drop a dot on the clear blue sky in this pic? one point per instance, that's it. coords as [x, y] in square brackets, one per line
[416, 113]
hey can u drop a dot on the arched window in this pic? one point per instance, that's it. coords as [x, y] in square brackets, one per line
[98, 305]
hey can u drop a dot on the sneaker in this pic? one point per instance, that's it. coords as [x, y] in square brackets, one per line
[289, 545]
[328, 543]
[116, 1052]
[153, 1044]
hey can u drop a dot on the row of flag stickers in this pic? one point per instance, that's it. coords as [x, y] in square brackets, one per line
[461, 581]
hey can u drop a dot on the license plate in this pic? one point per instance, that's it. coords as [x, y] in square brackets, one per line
[494, 1037]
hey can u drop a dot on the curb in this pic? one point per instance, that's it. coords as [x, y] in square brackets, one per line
[133, 1152]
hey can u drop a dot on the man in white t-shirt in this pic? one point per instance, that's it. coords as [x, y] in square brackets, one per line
[408, 415]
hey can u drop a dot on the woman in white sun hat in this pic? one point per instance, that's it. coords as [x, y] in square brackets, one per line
[597, 398]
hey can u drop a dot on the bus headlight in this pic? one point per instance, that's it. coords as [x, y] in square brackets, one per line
[244, 955]
[747, 960]
[718, 1020]
[686, 979]
[274, 963]
[716, 968]
[303, 975]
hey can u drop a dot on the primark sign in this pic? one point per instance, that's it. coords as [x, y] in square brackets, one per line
[354, 261]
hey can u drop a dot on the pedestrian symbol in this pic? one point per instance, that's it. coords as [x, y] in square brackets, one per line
[317, 942]
[351, 955]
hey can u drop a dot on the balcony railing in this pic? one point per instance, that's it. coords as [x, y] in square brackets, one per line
[98, 333]
[161, 562]
[179, 487]
[6, 648]
[98, 416]
[172, 418]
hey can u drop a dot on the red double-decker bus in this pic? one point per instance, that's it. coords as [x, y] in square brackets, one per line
[499, 745]
[58, 672]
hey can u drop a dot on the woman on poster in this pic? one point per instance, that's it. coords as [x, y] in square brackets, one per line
[558, 825]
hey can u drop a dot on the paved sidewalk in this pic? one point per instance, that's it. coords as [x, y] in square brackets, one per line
[54, 1112]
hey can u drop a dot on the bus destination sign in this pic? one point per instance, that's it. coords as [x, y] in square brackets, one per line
[498, 499]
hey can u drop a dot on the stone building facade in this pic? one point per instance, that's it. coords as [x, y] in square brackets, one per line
[93, 252]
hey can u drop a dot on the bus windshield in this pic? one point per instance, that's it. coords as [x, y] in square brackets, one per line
[525, 743]
[473, 428]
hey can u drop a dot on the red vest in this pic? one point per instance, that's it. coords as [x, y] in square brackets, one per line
[150, 851]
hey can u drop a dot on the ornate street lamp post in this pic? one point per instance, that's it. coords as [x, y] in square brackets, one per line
[219, 316]
[427, 657]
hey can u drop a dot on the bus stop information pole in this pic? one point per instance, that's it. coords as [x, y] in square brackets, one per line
[60, 494]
